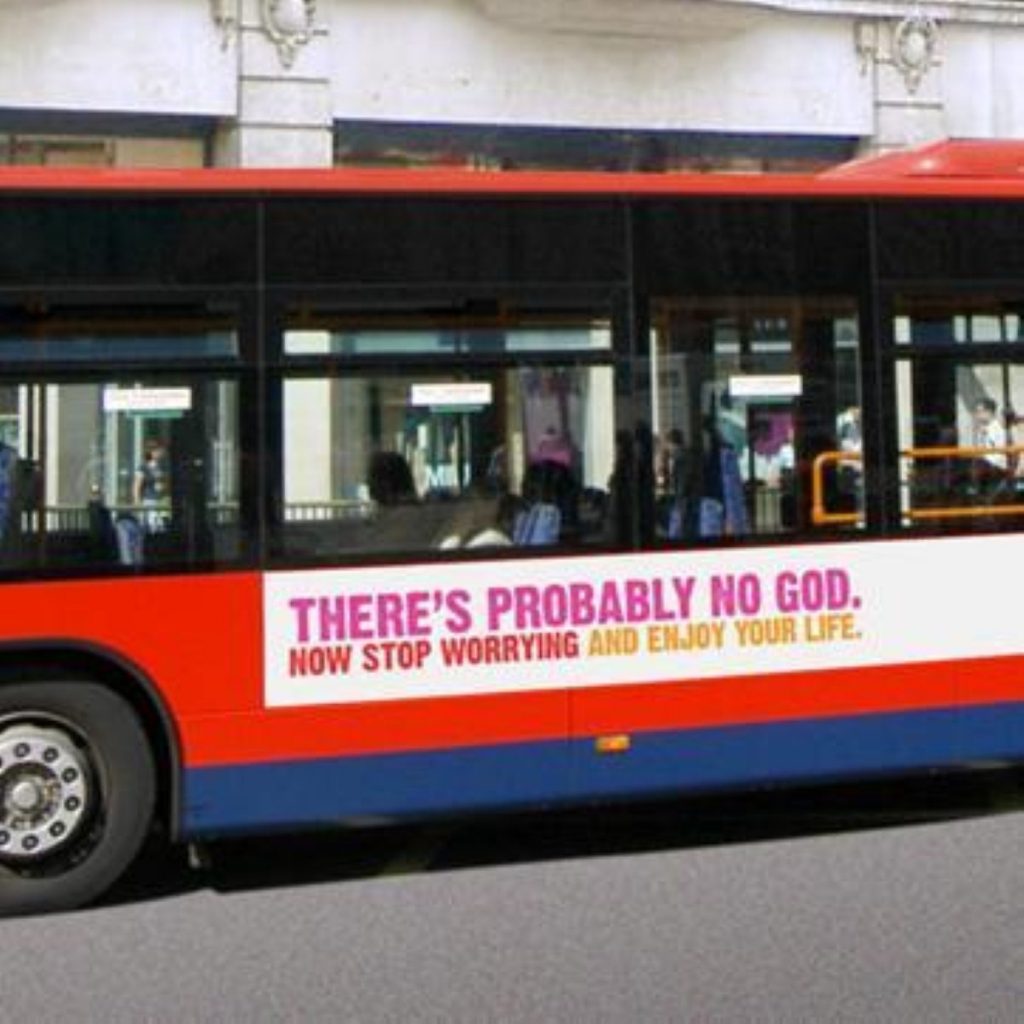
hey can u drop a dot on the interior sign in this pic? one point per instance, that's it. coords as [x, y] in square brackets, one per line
[147, 400]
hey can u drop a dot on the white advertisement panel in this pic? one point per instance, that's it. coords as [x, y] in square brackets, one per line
[393, 633]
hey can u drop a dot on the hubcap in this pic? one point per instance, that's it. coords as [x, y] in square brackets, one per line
[45, 791]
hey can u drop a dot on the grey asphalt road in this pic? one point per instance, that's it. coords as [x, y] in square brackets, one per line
[886, 903]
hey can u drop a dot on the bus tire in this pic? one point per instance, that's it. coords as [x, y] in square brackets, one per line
[77, 791]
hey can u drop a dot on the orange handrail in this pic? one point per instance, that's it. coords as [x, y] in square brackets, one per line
[954, 451]
[1010, 452]
[821, 516]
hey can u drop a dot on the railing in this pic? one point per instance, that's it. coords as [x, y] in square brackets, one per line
[981, 504]
[765, 507]
[54, 519]
[79, 518]
[1000, 480]
[340, 510]
[820, 515]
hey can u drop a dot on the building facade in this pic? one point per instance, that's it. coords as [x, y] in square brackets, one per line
[649, 84]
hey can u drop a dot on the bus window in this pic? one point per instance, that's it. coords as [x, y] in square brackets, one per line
[756, 417]
[485, 336]
[959, 396]
[121, 474]
[961, 444]
[940, 321]
[85, 336]
[516, 457]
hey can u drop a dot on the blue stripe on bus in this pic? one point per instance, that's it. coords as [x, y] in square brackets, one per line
[235, 798]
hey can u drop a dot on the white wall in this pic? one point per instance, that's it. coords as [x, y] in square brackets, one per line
[748, 70]
[984, 81]
[445, 60]
[137, 56]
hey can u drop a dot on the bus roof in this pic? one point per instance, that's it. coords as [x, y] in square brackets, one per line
[989, 169]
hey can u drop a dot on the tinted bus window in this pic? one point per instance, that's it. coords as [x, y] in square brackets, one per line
[508, 458]
[127, 241]
[123, 474]
[756, 417]
[750, 247]
[960, 395]
[45, 332]
[389, 336]
[428, 241]
[490, 426]
[946, 241]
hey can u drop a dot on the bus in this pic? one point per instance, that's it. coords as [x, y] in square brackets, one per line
[330, 497]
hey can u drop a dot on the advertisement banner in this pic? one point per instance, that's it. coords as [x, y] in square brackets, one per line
[393, 633]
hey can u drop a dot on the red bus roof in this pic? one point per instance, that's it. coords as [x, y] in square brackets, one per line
[983, 161]
[991, 169]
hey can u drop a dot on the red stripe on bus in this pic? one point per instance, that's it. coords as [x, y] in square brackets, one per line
[452, 722]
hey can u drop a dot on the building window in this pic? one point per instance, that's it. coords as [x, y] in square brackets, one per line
[100, 151]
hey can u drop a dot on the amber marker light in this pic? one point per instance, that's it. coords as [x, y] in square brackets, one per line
[618, 744]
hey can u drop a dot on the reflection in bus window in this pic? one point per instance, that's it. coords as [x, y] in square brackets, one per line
[747, 395]
[498, 458]
[125, 473]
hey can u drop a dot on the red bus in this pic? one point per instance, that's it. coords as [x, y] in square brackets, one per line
[337, 496]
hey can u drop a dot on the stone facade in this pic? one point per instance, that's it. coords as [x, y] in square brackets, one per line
[273, 82]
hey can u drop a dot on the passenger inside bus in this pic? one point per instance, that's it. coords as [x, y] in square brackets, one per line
[516, 457]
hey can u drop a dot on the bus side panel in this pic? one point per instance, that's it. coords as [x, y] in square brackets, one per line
[886, 718]
[316, 765]
[525, 716]
[813, 750]
[243, 797]
[196, 639]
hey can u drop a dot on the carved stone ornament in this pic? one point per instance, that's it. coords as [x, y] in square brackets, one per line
[866, 43]
[289, 23]
[225, 17]
[913, 48]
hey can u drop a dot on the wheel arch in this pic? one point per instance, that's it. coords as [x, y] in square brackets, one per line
[71, 660]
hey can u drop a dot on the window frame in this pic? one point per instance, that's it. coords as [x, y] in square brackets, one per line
[609, 303]
[241, 369]
[894, 294]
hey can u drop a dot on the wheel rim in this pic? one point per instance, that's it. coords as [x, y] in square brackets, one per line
[47, 791]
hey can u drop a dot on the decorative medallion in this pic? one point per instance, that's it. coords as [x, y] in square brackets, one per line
[289, 23]
[914, 41]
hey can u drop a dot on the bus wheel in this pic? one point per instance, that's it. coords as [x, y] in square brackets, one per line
[77, 788]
